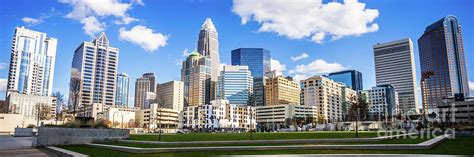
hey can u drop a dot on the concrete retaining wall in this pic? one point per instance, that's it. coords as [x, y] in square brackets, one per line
[48, 136]
[23, 132]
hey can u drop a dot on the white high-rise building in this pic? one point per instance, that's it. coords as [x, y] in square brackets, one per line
[235, 84]
[95, 63]
[32, 62]
[382, 101]
[395, 65]
[328, 96]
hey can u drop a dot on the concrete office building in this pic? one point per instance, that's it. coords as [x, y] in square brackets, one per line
[150, 98]
[95, 64]
[32, 63]
[196, 76]
[208, 46]
[123, 88]
[235, 85]
[352, 78]
[120, 116]
[382, 100]
[395, 65]
[258, 61]
[155, 118]
[26, 105]
[219, 115]
[144, 84]
[443, 66]
[327, 95]
[171, 94]
[281, 90]
[274, 116]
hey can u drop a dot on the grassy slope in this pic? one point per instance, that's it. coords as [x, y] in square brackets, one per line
[246, 136]
[458, 146]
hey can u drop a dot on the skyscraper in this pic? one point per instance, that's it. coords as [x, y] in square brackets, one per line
[395, 65]
[95, 64]
[352, 78]
[208, 45]
[258, 61]
[235, 84]
[443, 67]
[32, 62]
[196, 75]
[122, 89]
[171, 94]
[143, 85]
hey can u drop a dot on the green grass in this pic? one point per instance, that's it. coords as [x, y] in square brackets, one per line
[256, 136]
[458, 146]
[393, 141]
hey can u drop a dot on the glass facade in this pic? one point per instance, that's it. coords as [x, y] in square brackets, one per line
[443, 67]
[32, 63]
[351, 78]
[235, 84]
[258, 62]
[123, 85]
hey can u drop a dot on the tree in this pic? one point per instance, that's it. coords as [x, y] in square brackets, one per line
[42, 112]
[75, 88]
[321, 119]
[251, 102]
[358, 110]
[59, 104]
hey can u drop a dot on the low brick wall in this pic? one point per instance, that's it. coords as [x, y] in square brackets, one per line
[48, 136]
[23, 132]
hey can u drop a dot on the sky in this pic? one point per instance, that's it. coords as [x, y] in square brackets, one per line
[307, 37]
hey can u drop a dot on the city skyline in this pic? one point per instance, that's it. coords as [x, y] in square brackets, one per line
[284, 50]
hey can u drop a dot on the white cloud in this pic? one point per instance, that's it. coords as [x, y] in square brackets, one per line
[308, 18]
[144, 37]
[99, 8]
[32, 21]
[471, 87]
[299, 77]
[3, 66]
[300, 57]
[92, 26]
[185, 53]
[139, 2]
[3, 85]
[317, 67]
[277, 66]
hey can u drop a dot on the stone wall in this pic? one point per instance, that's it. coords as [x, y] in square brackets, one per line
[72, 136]
[23, 132]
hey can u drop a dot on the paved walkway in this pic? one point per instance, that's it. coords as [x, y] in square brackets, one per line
[19, 147]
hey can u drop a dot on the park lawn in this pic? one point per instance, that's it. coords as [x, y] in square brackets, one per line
[256, 136]
[458, 146]
[392, 141]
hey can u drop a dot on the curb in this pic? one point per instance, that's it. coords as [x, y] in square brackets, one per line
[64, 152]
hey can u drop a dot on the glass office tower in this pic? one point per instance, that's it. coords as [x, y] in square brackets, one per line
[122, 89]
[235, 84]
[258, 61]
[443, 67]
[352, 78]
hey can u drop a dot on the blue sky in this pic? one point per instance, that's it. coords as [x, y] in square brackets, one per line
[173, 26]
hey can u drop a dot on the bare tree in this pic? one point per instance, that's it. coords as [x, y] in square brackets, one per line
[251, 102]
[75, 90]
[42, 112]
[59, 104]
